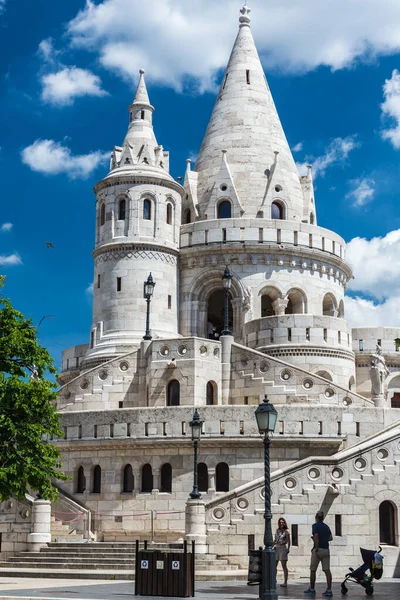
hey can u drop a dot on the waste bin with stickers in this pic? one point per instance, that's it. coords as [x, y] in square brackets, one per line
[164, 570]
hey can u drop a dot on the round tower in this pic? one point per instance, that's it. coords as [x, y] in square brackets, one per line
[246, 207]
[138, 215]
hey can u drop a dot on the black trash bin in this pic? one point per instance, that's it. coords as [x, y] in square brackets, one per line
[166, 572]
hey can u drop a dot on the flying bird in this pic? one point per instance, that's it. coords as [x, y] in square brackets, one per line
[49, 245]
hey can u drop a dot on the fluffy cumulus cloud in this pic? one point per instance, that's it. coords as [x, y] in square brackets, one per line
[391, 109]
[298, 147]
[6, 227]
[63, 87]
[376, 265]
[362, 192]
[2, 4]
[9, 260]
[335, 154]
[53, 158]
[176, 39]
[63, 84]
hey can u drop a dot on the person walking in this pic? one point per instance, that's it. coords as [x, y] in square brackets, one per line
[321, 535]
[282, 547]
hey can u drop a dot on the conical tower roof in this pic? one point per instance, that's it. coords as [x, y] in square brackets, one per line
[246, 125]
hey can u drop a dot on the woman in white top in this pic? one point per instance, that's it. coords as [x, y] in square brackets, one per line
[282, 547]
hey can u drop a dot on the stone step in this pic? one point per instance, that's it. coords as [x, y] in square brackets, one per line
[67, 553]
[60, 565]
[105, 545]
[110, 560]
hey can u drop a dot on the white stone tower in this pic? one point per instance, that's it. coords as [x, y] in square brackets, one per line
[247, 207]
[138, 214]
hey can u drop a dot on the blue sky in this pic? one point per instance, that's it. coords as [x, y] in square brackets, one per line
[68, 73]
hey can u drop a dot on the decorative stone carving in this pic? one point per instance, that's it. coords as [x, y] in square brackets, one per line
[279, 305]
[378, 373]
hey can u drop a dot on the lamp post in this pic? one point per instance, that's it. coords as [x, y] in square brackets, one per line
[148, 289]
[266, 416]
[227, 282]
[196, 424]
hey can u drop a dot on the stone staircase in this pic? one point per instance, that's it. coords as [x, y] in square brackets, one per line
[61, 532]
[102, 560]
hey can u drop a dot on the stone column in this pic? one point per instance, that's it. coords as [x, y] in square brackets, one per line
[226, 346]
[279, 305]
[41, 521]
[195, 318]
[195, 524]
[211, 482]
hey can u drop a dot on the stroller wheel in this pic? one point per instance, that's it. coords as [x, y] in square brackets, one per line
[369, 590]
[344, 589]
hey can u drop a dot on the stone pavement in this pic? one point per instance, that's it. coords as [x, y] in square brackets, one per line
[12, 587]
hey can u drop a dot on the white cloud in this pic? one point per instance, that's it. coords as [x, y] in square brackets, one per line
[6, 227]
[335, 154]
[7, 260]
[47, 52]
[52, 158]
[363, 190]
[295, 36]
[366, 313]
[63, 87]
[89, 289]
[2, 5]
[298, 147]
[391, 108]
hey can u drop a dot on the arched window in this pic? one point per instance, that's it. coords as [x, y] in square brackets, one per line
[188, 216]
[351, 382]
[128, 480]
[325, 375]
[203, 477]
[169, 214]
[122, 210]
[147, 210]
[96, 489]
[147, 479]
[277, 211]
[166, 478]
[311, 218]
[80, 481]
[267, 309]
[224, 210]
[173, 393]
[222, 477]
[102, 214]
[329, 306]
[210, 393]
[297, 304]
[387, 523]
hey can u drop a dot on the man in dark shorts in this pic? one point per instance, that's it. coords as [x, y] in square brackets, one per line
[321, 535]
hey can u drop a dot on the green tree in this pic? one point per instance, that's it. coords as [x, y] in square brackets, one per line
[27, 414]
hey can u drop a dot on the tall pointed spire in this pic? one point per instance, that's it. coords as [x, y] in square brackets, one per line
[245, 122]
[141, 96]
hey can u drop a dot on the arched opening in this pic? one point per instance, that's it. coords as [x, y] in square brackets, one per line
[297, 304]
[224, 210]
[387, 523]
[122, 210]
[216, 314]
[394, 391]
[267, 309]
[166, 479]
[173, 393]
[211, 393]
[80, 481]
[147, 479]
[128, 483]
[329, 306]
[202, 471]
[222, 477]
[311, 218]
[102, 214]
[352, 382]
[96, 489]
[341, 310]
[277, 211]
[147, 209]
[188, 216]
[169, 213]
[325, 374]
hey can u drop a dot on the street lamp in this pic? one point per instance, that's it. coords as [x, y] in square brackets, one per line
[227, 282]
[196, 424]
[266, 417]
[148, 289]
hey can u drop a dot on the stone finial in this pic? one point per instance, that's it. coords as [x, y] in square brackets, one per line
[244, 19]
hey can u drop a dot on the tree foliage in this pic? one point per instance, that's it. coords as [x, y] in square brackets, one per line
[27, 414]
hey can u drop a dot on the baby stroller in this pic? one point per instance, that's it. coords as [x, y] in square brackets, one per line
[373, 562]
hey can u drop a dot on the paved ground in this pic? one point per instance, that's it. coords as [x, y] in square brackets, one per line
[12, 587]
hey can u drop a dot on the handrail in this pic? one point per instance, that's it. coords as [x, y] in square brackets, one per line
[76, 508]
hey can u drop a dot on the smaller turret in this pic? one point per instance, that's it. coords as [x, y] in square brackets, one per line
[307, 186]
